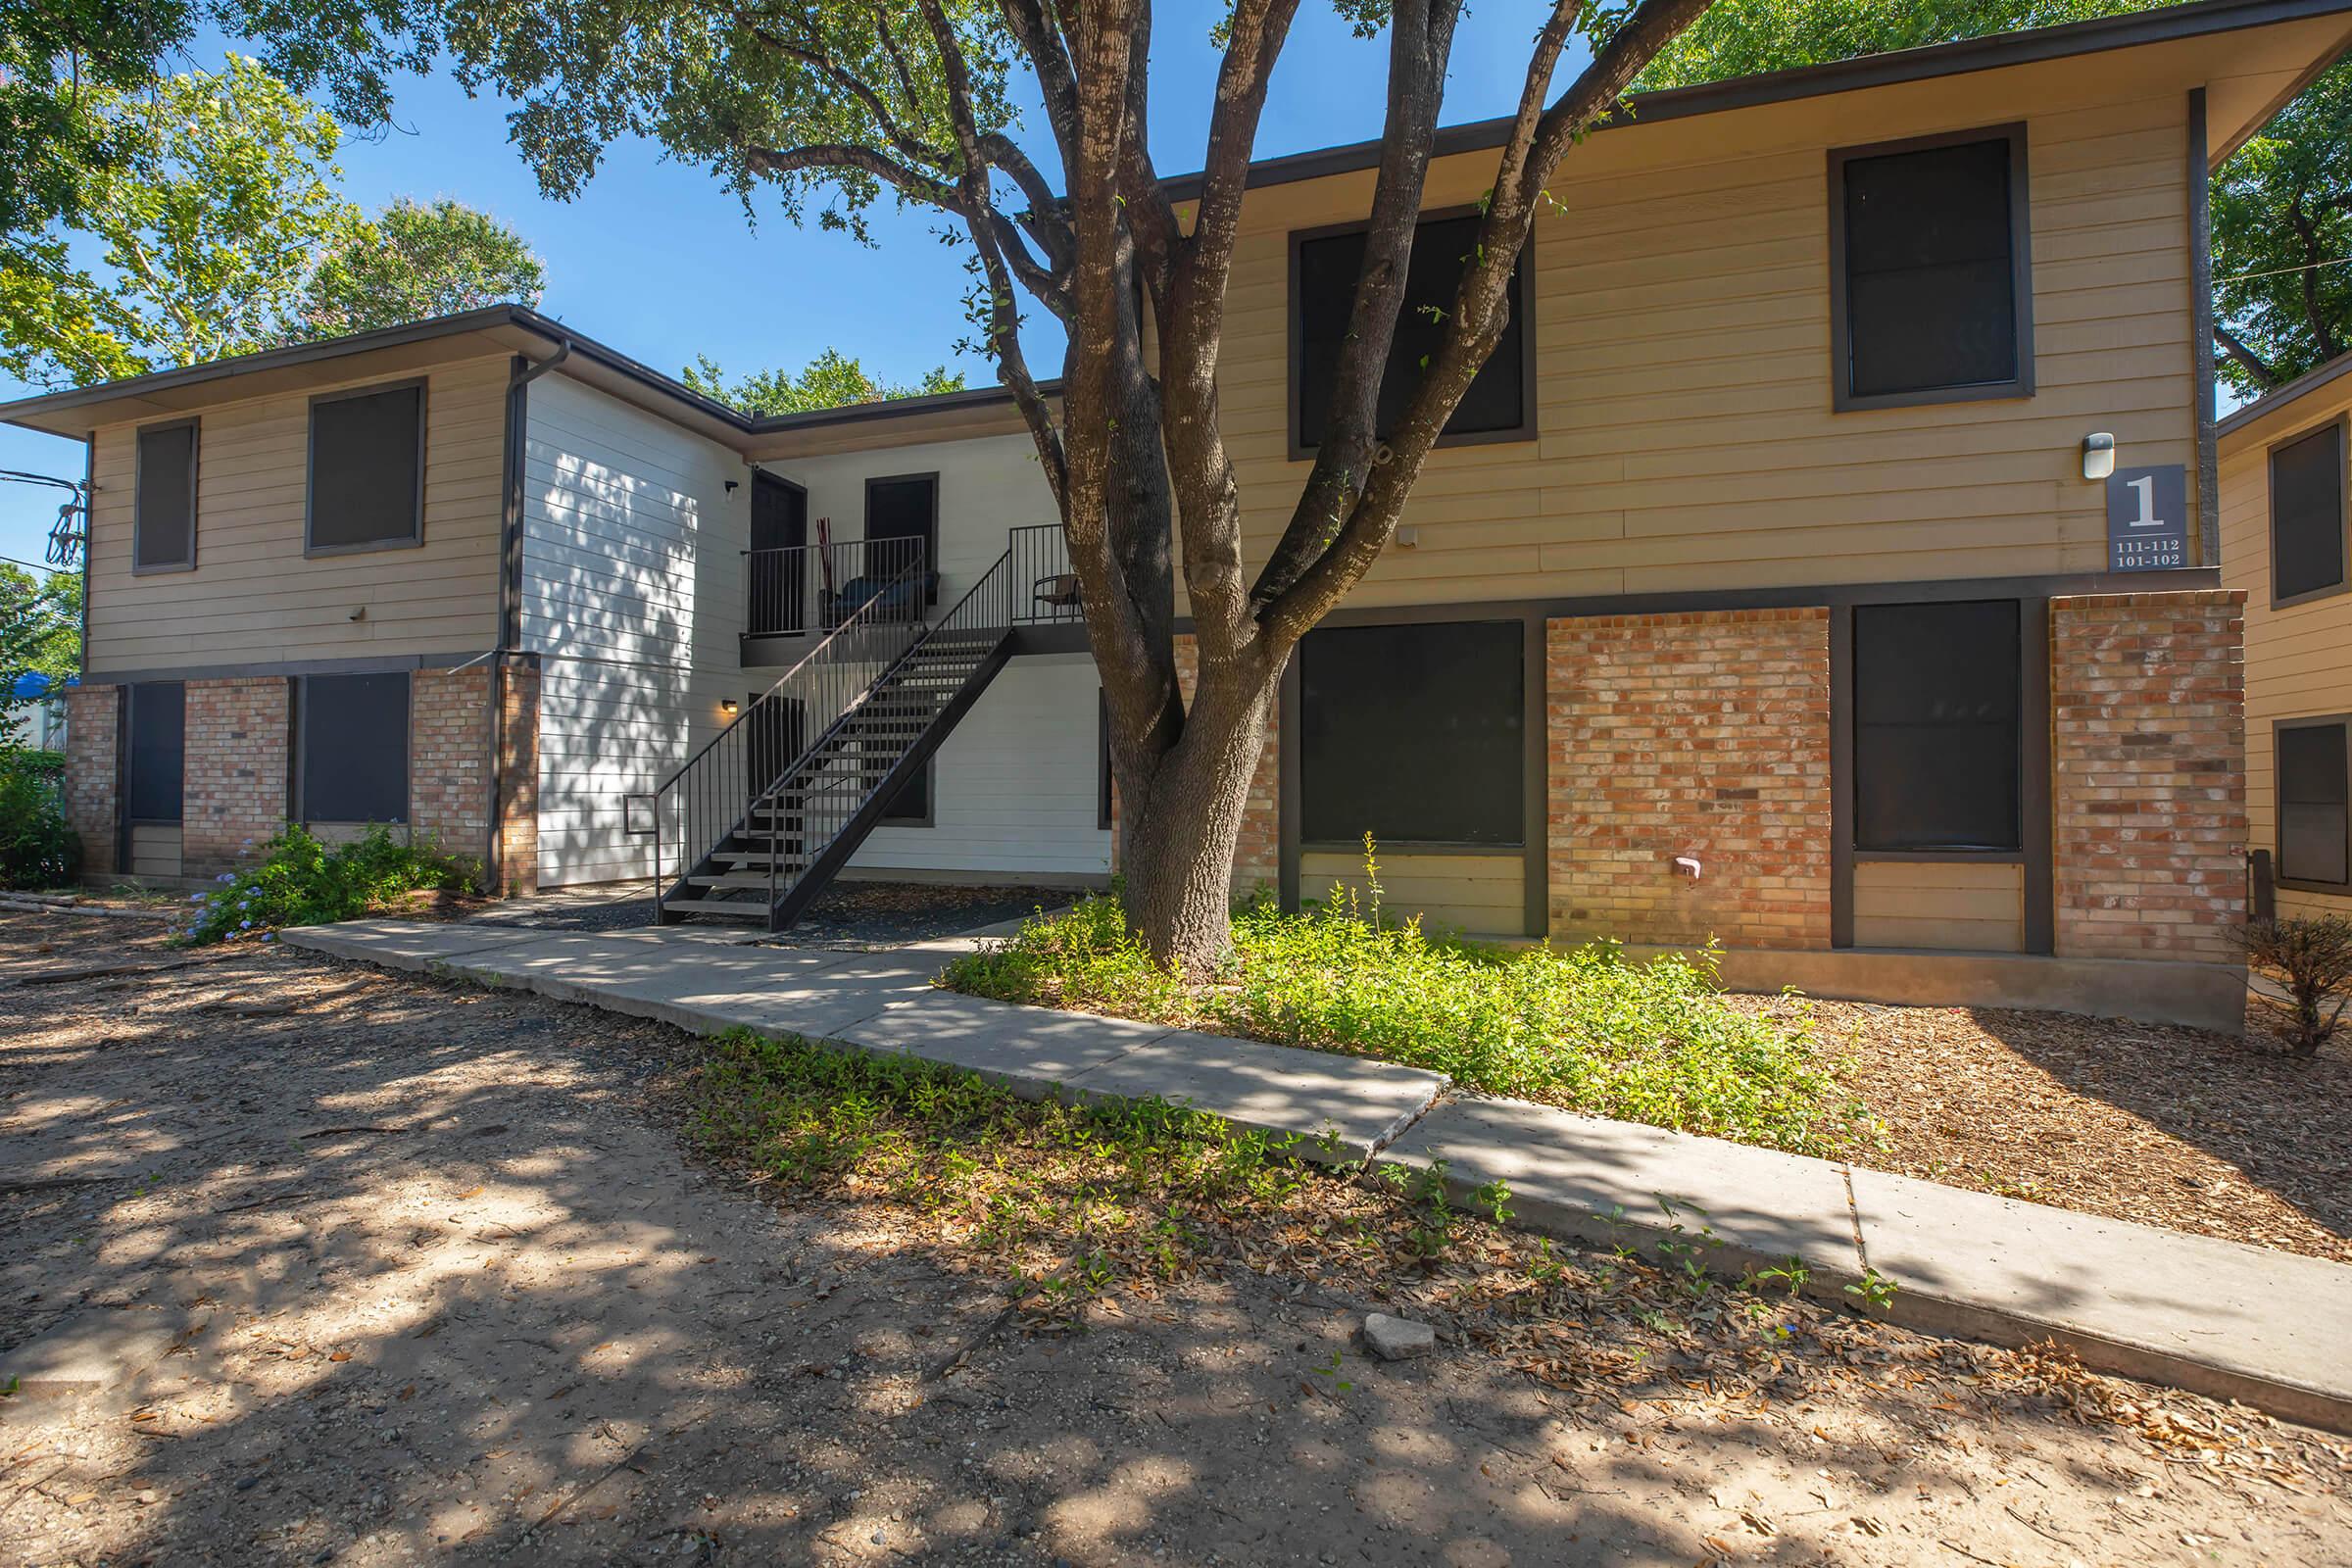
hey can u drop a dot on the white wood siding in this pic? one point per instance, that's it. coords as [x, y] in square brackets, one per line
[632, 596]
[1017, 786]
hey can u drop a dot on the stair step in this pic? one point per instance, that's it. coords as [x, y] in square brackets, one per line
[755, 910]
[732, 879]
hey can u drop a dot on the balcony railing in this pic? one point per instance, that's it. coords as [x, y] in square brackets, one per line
[816, 587]
[1044, 588]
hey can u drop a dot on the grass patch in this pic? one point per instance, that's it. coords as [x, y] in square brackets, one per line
[301, 881]
[1586, 1030]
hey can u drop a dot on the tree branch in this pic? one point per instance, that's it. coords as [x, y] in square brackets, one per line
[2252, 363]
[849, 155]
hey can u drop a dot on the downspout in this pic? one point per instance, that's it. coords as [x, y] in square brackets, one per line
[2203, 374]
[519, 377]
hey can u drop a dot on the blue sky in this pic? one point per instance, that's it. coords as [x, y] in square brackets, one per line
[657, 259]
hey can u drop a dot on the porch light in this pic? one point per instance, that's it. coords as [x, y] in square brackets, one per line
[726, 706]
[2099, 455]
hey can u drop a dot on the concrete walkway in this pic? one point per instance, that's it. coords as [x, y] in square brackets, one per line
[2273, 1329]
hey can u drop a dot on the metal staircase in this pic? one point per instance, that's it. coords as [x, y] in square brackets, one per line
[762, 817]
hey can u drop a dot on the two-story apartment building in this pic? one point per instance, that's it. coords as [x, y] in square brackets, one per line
[1827, 565]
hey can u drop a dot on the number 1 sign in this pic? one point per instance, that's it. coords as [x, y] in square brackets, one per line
[2147, 518]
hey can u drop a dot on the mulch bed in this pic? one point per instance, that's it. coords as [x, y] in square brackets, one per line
[2171, 1127]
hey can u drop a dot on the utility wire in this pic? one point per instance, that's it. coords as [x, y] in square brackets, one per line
[2276, 271]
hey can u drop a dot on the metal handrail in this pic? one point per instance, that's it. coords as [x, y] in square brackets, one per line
[718, 788]
[986, 607]
[1040, 567]
[800, 588]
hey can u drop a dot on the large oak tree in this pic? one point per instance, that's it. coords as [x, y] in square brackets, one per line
[836, 104]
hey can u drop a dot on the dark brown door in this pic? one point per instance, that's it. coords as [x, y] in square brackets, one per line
[779, 572]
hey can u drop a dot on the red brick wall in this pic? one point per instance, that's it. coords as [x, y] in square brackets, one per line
[2148, 731]
[518, 771]
[92, 772]
[1703, 734]
[448, 760]
[235, 771]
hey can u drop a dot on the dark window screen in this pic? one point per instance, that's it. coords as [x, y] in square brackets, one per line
[158, 717]
[2312, 818]
[354, 747]
[1102, 802]
[164, 534]
[1414, 734]
[1930, 281]
[1937, 742]
[1328, 270]
[912, 805]
[367, 468]
[2307, 514]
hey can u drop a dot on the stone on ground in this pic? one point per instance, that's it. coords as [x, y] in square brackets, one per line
[1398, 1338]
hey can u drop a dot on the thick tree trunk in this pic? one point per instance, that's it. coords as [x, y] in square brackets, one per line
[1178, 832]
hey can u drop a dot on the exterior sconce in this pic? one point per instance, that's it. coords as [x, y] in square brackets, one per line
[1409, 538]
[726, 706]
[2099, 455]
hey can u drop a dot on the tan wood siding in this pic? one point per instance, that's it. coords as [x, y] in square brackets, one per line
[1479, 894]
[154, 849]
[2298, 659]
[1682, 322]
[1962, 906]
[252, 597]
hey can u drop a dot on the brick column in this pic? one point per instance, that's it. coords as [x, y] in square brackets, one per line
[1257, 852]
[235, 771]
[448, 760]
[93, 773]
[1703, 734]
[518, 775]
[2147, 709]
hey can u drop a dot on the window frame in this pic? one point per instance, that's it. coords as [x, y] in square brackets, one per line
[929, 816]
[195, 425]
[1523, 316]
[2341, 722]
[310, 548]
[2342, 425]
[1842, 398]
[2026, 802]
[1529, 741]
[299, 751]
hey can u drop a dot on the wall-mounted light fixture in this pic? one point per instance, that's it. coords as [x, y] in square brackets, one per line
[726, 706]
[732, 484]
[2099, 455]
[1409, 538]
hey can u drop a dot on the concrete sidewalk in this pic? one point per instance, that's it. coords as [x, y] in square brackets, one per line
[2237, 1322]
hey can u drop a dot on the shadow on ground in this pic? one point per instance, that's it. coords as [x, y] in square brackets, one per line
[411, 1269]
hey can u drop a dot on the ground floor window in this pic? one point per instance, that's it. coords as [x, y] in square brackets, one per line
[353, 762]
[156, 764]
[2315, 818]
[912, 805]
[1939, 743]
[1415, 734]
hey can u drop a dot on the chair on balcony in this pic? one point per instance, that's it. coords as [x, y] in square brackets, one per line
[1060, 591]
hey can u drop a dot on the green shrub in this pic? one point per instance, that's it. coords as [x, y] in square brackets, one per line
[1586, 1030]
[38, 847]
[299, 881]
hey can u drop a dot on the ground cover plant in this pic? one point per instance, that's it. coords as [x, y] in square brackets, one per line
[1586, 1030]
[299, 880]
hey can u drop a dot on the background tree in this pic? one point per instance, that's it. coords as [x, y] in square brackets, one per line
[219, 227]
[54, 54]
[41, 625]
[842, 103]
[2281, 205]
[831, 381]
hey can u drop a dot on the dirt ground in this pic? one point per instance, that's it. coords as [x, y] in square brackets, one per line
[429, 1276]
[2173, 1127]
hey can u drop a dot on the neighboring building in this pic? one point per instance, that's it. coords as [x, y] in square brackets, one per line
[1763, 548]
[2284, 546]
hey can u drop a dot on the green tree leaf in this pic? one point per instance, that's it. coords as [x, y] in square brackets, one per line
[831, 381]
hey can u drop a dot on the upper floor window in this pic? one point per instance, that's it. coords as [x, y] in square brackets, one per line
[1931, 276]
[367, 469]
[163, 533]
[1325, 264]
[2307, 515]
